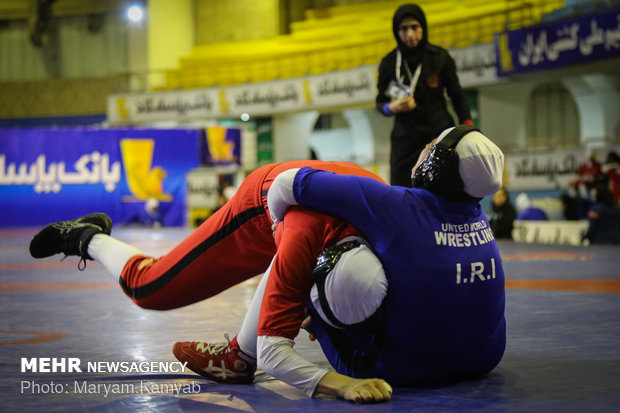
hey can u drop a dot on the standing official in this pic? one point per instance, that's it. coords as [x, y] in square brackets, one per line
[412, 80]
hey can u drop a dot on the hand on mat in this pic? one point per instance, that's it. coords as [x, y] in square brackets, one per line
[363, 391]
[359, 391]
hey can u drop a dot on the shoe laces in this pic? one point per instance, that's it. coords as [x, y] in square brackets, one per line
[214, 349]
[64, 229]
[81, 263]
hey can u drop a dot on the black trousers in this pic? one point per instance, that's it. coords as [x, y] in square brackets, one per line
[403, 156]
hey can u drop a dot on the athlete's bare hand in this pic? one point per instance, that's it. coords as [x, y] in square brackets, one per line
[273, 229]
[359, 391]
[368, 391]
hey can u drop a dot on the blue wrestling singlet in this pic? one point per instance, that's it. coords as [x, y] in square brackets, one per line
[445, 303]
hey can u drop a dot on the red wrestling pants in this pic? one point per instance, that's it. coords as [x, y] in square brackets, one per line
[231, 246]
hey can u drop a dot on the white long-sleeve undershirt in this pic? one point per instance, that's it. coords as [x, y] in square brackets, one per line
[277, 357]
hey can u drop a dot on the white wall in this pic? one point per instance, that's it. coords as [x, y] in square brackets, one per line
[354, 143]
[598, 101]
[333, 144]
[364, 139]
[503, 113]
[291, 135]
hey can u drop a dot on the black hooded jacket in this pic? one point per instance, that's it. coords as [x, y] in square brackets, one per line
[419, 126]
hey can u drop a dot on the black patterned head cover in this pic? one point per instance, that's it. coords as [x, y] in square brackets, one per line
[465, 174]
[347, 300]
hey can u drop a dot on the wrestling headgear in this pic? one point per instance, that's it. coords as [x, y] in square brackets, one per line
[350, 284]
[463, 165]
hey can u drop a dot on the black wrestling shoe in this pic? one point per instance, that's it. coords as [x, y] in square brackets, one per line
[70, 237]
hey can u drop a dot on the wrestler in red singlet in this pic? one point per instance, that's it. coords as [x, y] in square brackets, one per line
[231, 246]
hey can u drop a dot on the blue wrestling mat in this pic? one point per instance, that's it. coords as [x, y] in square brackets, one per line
[563, 352]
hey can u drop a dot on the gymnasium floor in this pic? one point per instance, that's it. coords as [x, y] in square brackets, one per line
[563, 352]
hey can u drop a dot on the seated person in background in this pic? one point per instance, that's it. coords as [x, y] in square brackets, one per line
[151, 217]
[584, 200]
[503, 215]
[603, 217]
[528, 212]
[590, 170]
[611, 168]
[570, 204]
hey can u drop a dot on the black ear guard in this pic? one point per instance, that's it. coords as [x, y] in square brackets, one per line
[358, 345]
[325, 264]
[439, 171]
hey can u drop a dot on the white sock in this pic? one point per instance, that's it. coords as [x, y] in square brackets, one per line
[112, 253]
[247, 333]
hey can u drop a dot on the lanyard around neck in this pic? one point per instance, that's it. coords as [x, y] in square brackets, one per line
[416, 75]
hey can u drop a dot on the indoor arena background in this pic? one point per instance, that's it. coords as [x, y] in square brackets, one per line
[155, 121]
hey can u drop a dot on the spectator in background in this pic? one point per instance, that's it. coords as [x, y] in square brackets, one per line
[528, 212]
[151, 217]
[570, 203]
[503, 215]
[411, 84]
[589, 171]
[584, 200]
[603, 217]
[611, 168]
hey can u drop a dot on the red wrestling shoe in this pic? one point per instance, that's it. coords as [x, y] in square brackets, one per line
[221, 362]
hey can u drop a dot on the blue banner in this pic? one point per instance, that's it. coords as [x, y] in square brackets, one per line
[55, 174]
[558, 44]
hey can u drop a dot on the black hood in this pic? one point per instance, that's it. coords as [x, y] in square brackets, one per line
[416, 12]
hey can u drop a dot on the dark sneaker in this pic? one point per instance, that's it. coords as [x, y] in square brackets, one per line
[70, 237]
[221, 362]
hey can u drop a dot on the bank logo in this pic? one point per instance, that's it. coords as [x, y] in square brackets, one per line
[505, 55]
[307, 92]
[123, 110]
[143, 180]
[221, 148]
[223, 101]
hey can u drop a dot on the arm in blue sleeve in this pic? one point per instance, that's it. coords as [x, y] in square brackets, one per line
[386, 110]
[364, 202]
